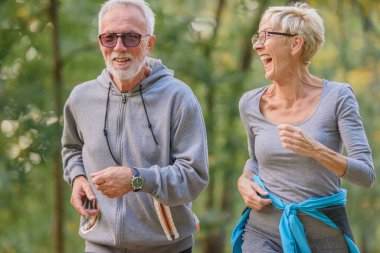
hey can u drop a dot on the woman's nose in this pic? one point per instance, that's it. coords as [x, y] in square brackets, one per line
[257, 46]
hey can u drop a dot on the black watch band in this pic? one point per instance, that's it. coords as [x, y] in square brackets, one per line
[137, 180]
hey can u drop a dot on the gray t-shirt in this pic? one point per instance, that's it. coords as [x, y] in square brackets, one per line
[293, 177]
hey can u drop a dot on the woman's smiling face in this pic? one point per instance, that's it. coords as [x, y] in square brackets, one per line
[274, 53]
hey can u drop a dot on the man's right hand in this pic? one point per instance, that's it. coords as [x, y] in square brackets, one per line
[82, 191]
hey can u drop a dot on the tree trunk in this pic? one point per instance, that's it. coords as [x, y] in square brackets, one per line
[247, 49]
[364, 242]
[214, 241]
[57, 80]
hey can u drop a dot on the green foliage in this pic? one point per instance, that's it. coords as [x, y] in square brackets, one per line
[211, 52]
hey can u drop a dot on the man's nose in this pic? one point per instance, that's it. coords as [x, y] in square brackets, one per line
[119, 45]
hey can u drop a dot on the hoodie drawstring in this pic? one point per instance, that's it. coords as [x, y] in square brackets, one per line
[105, 125]
[146, 114]
[105, 132]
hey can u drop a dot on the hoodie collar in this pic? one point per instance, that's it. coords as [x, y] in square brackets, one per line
[158, 71]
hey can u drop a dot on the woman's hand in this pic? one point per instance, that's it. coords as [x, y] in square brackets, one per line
[293, 138]
[250, 191]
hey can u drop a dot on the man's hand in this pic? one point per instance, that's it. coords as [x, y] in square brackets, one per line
[82, 191]
[250, 191]
[113, 181]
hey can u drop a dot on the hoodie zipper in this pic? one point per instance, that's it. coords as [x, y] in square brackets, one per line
[120, 127]
[119, 230]
[119, 140]
[124, 99]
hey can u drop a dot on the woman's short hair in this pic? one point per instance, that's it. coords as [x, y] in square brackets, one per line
[299, 18]
[142, 5]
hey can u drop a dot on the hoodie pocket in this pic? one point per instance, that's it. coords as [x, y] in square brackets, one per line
[87, 224]
[166, 220]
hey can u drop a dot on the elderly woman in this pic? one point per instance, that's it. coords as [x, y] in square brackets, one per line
[296, 129]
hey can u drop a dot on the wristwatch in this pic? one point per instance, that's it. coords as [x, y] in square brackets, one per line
[137, 180]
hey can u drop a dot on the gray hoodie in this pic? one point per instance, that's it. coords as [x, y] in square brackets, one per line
[175, 169]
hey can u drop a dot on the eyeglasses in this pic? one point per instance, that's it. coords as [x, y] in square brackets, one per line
[263, 36]
[129, 39]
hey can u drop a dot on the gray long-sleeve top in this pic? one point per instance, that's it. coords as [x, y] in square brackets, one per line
[336, 123]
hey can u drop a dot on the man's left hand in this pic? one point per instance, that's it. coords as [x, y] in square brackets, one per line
[113, 181]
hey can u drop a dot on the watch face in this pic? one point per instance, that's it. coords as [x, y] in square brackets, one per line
[138, 182]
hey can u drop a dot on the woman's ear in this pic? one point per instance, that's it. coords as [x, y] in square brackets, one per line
[297, 45]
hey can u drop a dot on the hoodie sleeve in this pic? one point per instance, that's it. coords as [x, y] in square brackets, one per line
[187, 177]
[72, 144]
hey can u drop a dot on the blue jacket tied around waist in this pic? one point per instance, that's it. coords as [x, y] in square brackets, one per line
[293, 236]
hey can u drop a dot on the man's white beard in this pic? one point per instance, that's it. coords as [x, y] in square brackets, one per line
[127, 74]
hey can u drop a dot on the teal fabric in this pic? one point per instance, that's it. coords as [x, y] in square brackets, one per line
[237, 234]
[292, 233]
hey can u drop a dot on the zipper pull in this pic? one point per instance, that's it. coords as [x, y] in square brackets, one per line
[124, 100]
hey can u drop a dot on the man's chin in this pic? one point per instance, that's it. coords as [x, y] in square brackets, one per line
[122, 74]
[124, 77]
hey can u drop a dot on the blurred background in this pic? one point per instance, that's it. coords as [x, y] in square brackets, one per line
[49, 46]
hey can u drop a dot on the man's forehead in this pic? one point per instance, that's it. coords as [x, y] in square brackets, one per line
[124, 17]
[124, 10]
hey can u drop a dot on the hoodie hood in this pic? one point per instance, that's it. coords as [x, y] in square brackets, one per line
[158, 71]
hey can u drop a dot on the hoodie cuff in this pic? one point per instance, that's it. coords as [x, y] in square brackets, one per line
[76, 172]
[149, 176]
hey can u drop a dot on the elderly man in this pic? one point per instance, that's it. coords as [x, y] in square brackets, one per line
[134, 143]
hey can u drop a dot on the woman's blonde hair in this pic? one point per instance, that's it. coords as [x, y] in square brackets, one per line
[299, 18]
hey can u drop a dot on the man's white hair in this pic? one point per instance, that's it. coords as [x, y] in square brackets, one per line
[142, 5]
